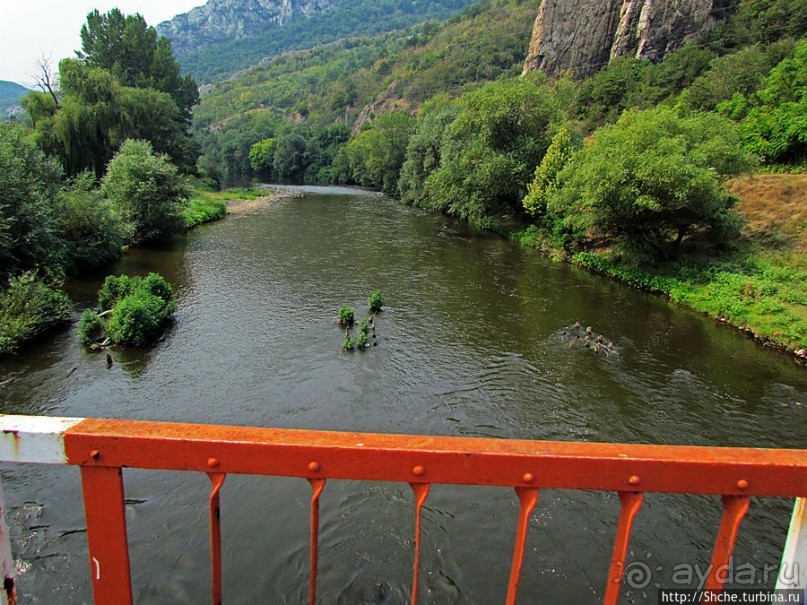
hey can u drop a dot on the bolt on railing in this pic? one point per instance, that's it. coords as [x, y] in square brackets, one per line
[102, 448]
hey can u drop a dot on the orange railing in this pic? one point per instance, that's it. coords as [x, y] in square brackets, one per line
[101, 448]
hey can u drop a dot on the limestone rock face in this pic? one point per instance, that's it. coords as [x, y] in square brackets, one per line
[221, 20]
[581, 36]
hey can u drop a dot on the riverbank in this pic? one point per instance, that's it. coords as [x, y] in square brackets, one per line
[32, 308]
[260, 198]
[760, 288]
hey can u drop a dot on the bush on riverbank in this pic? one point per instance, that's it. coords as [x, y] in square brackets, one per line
[28, 308]
[139, 307]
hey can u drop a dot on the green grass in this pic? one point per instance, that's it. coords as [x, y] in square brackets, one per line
[754, 293]
[206, 206]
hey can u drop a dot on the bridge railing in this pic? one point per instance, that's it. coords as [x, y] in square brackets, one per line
[102, 448]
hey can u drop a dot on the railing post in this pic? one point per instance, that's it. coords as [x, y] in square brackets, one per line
[106, 534]
[793, 570]
[7, 595]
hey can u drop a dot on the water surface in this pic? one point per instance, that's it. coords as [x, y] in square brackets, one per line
[474, 341]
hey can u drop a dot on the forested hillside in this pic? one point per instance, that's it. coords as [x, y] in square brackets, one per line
[218, 47]
[623, 172]
[323, 94]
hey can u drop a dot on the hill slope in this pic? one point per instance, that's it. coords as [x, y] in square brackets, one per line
[10, 95]
[224, 36]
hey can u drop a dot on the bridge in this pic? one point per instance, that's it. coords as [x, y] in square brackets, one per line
[101, 448]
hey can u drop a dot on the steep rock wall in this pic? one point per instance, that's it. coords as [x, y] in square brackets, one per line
[581, 36]
[221, 20]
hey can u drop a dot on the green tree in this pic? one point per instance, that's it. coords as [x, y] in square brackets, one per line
[423, 150]
[147, 191]
[545, 182]
[29, 185]
[650, 180]
[262, 157]
[92, 230]
[490, 150]
[128, 48]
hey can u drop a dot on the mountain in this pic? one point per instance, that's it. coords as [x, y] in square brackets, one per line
[10, 95]
[582, 36]
[224, 36]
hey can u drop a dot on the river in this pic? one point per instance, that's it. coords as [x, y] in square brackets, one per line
[474, 341]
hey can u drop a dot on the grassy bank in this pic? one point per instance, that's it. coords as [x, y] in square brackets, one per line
[206, 205]
[760, 287]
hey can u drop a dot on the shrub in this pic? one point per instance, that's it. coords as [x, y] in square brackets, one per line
[114, 289]
[346, 315]
[136, 319]
[349, 344]
[361, 341]
[91, 328]
[376, 301]
[28, 308]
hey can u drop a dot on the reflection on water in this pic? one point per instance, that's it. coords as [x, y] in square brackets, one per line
[475, 341]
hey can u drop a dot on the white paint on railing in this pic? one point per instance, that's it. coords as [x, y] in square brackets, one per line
[793, 571]
[36, 439]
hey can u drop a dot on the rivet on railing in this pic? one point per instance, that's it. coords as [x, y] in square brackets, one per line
[313, 466]
[419, 471]
[528, 478]
[634, 480]
[95, 454]
[742, 484]
[213, 462]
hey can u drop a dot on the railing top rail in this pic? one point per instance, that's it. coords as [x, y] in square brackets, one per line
[407, 458]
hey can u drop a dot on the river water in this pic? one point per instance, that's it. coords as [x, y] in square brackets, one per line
[474, 341]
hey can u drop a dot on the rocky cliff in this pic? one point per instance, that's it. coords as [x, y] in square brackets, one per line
[581, 36]
[222, 20]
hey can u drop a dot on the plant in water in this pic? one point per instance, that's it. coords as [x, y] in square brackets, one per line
[349, 343]
[91, 328]
[376, 301]
[361, 341]
[346, 315]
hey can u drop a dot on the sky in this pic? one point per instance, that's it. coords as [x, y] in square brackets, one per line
[30, 29]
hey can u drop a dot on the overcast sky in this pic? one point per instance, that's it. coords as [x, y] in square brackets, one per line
[31, 28]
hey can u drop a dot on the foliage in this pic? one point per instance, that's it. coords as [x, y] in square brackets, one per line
[140, 307]
[374, 158]
[376, 301]
[147, 191]
[763, 298]
[361, 340]
[423, 150]
[203, 210]
[262, 158]
[545, 182]
[130, 50]
[115, 288]
[28, 191]
[335, 87]
[490, 149]
[91, 328]
[348, 18]
[348, 344]
[28, 308]
[774, 118]
[650, 180]
[88, 224]
[346, 315]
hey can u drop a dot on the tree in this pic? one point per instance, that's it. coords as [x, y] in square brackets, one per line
[489, 151]
[147, 191]
[261, 158]
[650, 180]
[29, 184]
[545, 182]
[128, 48]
